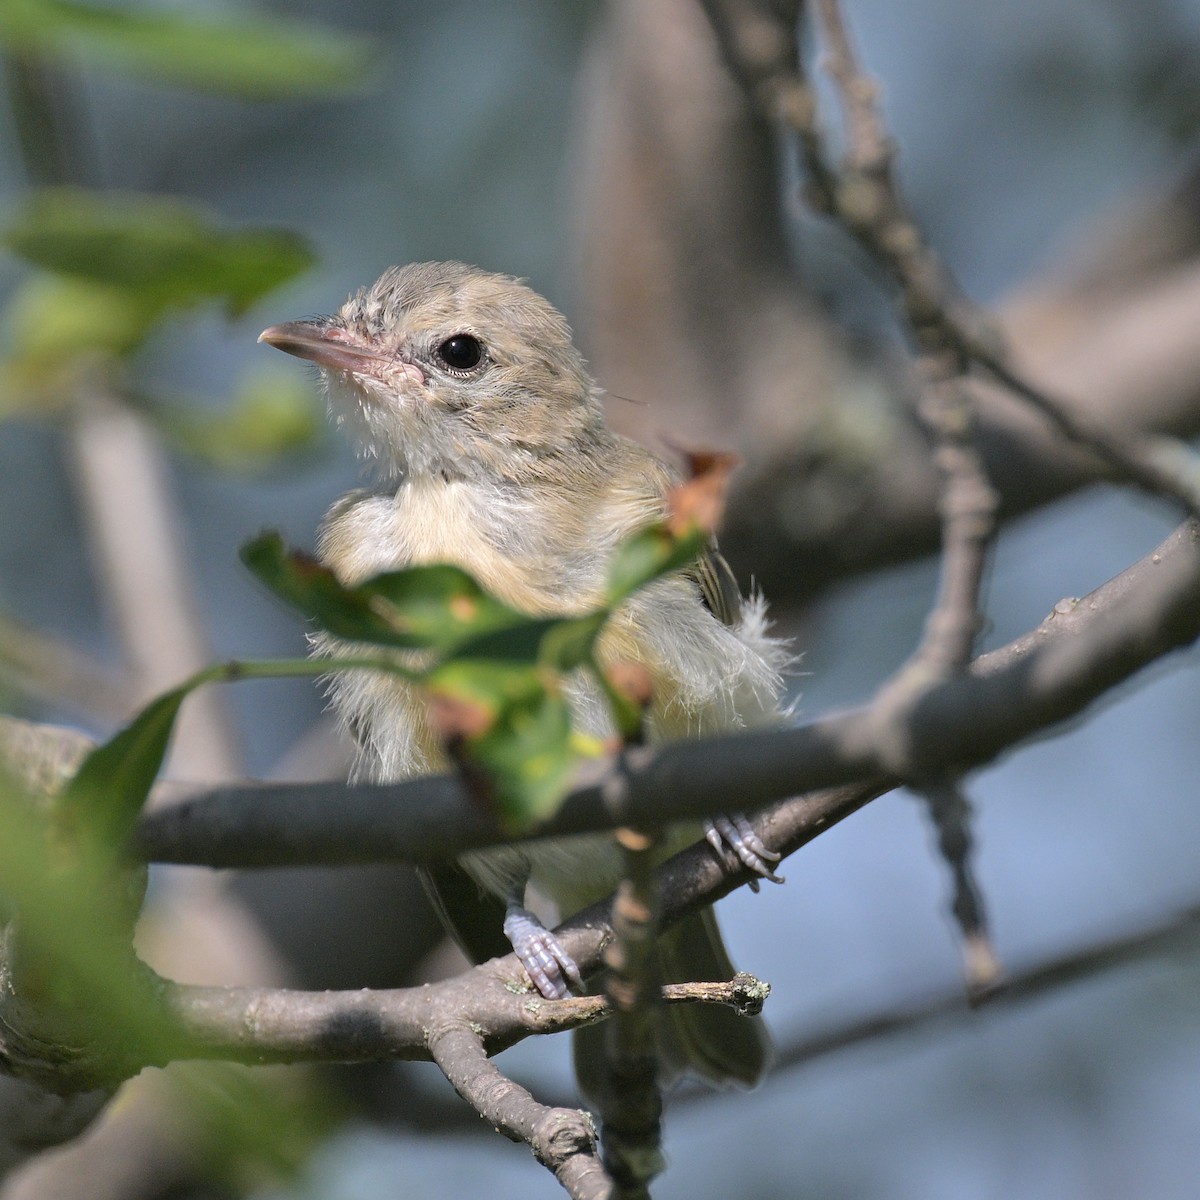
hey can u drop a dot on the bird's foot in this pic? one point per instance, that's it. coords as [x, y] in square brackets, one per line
[735, 834]
[550, 967]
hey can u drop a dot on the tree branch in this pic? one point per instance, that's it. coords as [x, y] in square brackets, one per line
[631, 1103]
[856, 491]
[1168, 937]
[866, 199]
[1080, 651]
[562, 1139]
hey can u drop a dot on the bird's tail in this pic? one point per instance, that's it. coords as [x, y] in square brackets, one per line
[708, 1040]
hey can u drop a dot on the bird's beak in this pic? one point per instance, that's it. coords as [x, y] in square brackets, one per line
[327, 346]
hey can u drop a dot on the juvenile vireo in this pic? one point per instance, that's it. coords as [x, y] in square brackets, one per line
[491, 450]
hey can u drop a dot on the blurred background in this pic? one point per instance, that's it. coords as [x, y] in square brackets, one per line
[603, 152]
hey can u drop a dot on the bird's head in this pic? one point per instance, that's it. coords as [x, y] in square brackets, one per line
[444, 368]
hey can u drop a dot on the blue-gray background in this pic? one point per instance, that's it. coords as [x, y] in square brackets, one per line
[1016, 122]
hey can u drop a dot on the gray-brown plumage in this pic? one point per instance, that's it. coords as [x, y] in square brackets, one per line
[491, 451]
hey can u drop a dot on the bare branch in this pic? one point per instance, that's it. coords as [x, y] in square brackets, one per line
[856, 492]
[562, 1139]
[951, 812]
[631, 1104]
[868, 202]
[288, 1025]
[968, 510]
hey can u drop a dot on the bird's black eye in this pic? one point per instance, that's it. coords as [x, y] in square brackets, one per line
[461, 352]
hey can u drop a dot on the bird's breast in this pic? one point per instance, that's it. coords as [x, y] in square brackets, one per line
[479, 527]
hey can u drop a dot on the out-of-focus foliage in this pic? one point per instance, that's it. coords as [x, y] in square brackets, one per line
[115, 267]
[112, 269]
[71, 953]
[107, 271]
[71, 972]
[169, 253]
[252, 57]
[273, 414]
[58, 331]
[119, 265]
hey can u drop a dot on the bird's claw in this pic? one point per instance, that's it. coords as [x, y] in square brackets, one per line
[549, 966]
[735, 834]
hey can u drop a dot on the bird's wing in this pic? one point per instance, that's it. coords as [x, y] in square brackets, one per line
[474, 918]
[718, 587]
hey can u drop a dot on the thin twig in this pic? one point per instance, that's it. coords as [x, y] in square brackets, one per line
[1157, 464]
[1168, 939]
[631, 1103]
[282, 1025]
[939, 311]
[951, 812]
[967, 507]
[562, 1139]
[287, 1025]
[279, 1025]
[865, 198]
[968, 510]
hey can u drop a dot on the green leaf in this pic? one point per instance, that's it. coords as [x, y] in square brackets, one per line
[426, 607]
[253, 58]
[311, 587]
[649, 554]
[524, 749]
[113, 782]
[560, 643]
[496, 691]
[56, 317]
[440, 605]
[569, 643]
[166, 254]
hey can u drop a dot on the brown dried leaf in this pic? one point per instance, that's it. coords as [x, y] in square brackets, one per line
[633, 681]
[454, 718]
[700, 501]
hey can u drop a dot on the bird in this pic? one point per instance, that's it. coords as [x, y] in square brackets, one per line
[489, 448]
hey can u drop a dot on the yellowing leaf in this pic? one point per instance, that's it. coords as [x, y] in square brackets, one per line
[517, 745]
[700, 500]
